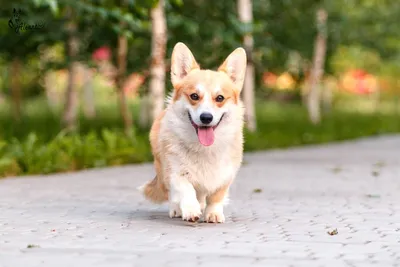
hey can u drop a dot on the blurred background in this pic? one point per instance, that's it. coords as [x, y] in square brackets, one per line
[81, 81]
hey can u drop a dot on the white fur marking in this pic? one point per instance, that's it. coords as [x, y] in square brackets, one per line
[183, 192]
[217, 89]
[214, 213]
[174, 210]
[200, 88]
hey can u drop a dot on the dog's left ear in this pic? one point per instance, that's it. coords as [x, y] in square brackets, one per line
[182, 62]
[235, 67]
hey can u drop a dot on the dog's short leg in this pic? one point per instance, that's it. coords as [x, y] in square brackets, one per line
[174, 210]
[201, 197]
[184, 195]
[214, 212]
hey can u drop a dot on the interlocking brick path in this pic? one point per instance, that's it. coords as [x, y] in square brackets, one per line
[283, 204]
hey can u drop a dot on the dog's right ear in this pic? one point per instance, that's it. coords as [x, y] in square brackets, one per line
[235, 67]
[182, 62]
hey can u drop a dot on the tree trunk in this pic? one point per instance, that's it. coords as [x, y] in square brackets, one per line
[71, 94]
[314, 94]
[157, 68]
[16, 88]
[121, 62]
[89, 108]
[245, 10]
[48, 78]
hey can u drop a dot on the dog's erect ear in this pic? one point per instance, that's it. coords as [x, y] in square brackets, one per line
[182, 62]
[235, 66]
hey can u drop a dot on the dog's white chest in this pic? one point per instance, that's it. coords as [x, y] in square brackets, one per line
[209, 172]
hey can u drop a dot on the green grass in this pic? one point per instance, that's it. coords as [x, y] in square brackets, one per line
[282, 126]
[37, 144]
[38, 118]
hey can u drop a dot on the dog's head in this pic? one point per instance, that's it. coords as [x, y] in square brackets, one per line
[207, 99]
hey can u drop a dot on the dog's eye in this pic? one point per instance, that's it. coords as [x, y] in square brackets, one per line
[220, 98]
[194, 96]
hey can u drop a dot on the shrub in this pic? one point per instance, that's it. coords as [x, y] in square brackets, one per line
[70, 152]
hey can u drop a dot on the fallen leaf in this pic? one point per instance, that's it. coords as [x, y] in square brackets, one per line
[336, 169]
[333, 232]
[375, 173]
[373, 196]
[380, 164]
[257, 190]
[32, 246]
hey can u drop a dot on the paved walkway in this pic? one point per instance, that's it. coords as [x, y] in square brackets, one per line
[283, 205]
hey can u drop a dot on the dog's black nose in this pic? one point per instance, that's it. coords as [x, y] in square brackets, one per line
[206, 118]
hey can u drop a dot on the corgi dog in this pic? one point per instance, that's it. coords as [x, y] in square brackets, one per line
[197, 141]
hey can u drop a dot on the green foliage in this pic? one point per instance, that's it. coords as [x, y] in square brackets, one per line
[21, 41]
[283, 126]
[355, 57]
[213, 24]
[69, 153]
[99, 23]
[372, 23]
[210, 28]
[40, 147]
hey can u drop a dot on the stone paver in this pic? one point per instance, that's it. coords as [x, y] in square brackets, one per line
[98, 218]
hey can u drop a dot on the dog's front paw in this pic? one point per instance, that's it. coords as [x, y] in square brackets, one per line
[214, 214]
[191, 212]
[175, 210]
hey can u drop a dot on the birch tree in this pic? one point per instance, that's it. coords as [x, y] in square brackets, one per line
[157, 68]
[122, 51]
[317, 71]
[245, 11]
[89, 106]
[71, 94]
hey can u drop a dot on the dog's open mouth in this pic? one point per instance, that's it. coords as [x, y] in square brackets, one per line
[205, 133]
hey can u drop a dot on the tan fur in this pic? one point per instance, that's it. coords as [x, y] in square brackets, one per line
[219, 195]
[156, 190]
[192, 177]
[209, 79]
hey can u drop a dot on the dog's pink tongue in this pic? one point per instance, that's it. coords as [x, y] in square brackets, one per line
[206, 135]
